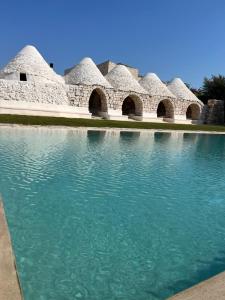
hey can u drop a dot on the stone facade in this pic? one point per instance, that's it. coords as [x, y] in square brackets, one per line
[108, 65]
[48, 93]
[84, 91]
[214, 112]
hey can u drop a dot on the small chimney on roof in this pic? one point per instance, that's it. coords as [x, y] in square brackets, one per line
[51, 65]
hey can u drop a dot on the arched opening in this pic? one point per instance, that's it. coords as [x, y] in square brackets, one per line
[132, 106]
[165, 109]
[193, 112]
[97, 103]
[128, 107]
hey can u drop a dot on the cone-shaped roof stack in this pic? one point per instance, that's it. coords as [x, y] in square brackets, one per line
[121, 78]
[31, 62]
[87, 73]
[180, 90]
[155, 87]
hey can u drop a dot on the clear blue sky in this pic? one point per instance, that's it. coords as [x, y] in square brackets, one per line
[173, 38]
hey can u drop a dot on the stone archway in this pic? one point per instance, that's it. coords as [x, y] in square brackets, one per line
[97, 104]
[193, 112]
[165, 109]
[132, 106]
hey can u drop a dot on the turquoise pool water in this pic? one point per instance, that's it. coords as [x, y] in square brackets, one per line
[113, 215]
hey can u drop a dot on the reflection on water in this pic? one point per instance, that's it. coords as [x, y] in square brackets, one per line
[110, 214]
[96, 136]
[190, 136]
[162, 136]
[129, 136]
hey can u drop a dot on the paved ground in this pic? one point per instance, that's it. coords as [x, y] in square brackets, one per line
[211, 289]
[9, 286]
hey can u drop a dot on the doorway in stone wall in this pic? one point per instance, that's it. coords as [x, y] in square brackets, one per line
[132, 106]
[193, 112]
[128, 107]
[165, 109]
[97, 103]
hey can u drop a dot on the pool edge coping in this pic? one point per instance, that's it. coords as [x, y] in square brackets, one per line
[10, 287]
[212, 288]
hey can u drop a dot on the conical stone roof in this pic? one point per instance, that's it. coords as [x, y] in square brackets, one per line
[121, 79]
[154, 86]
[86, 73]
[180, 90]
[31, 62]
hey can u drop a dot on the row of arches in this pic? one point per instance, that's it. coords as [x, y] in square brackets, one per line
[132, 106]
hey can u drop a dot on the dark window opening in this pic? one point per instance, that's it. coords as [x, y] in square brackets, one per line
[23, 77]
[51, 65]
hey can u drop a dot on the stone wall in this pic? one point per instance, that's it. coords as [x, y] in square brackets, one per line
[49, 93]
[106, 67]
[214, 113]
[78, 96]
[175, 107]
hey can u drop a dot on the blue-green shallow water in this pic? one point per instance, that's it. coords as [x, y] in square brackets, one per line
[110, 215]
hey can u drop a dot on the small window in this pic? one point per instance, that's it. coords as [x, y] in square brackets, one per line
[51, 65]
[23, 77]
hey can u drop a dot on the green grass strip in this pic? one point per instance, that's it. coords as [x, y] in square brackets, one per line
[59, 121]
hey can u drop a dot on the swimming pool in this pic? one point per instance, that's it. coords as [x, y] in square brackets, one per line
[113, 214]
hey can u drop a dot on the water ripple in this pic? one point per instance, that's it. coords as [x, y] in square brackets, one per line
[113, 215]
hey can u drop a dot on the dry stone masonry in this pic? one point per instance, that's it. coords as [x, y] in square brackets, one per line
[28, 85]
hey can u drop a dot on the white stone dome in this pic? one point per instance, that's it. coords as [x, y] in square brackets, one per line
[155, 87]
[181, 91]
[121, 79]
[31, 62]
[86, 73]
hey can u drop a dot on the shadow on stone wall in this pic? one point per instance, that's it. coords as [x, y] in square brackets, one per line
[213, 112]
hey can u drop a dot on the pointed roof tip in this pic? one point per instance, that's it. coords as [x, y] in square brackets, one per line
[121, 78]
[176, 79]
[86, 73]
[28, 49]
[155, 87]
[29, 46]
[121, 68]
[86, 60]
[151, 74]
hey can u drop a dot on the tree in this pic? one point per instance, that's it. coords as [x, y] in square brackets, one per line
[200, 94]
[214, 87]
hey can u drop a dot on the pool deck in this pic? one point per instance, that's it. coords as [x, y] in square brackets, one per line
[9, 283]
[211, 289]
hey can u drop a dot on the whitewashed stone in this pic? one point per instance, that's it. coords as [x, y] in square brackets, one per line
[121, 79]
[30, 62]
[86, 73]
[44, 87]
[154, 86]
[181, 91]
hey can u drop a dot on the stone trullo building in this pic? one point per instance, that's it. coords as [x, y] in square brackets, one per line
[29, 85]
